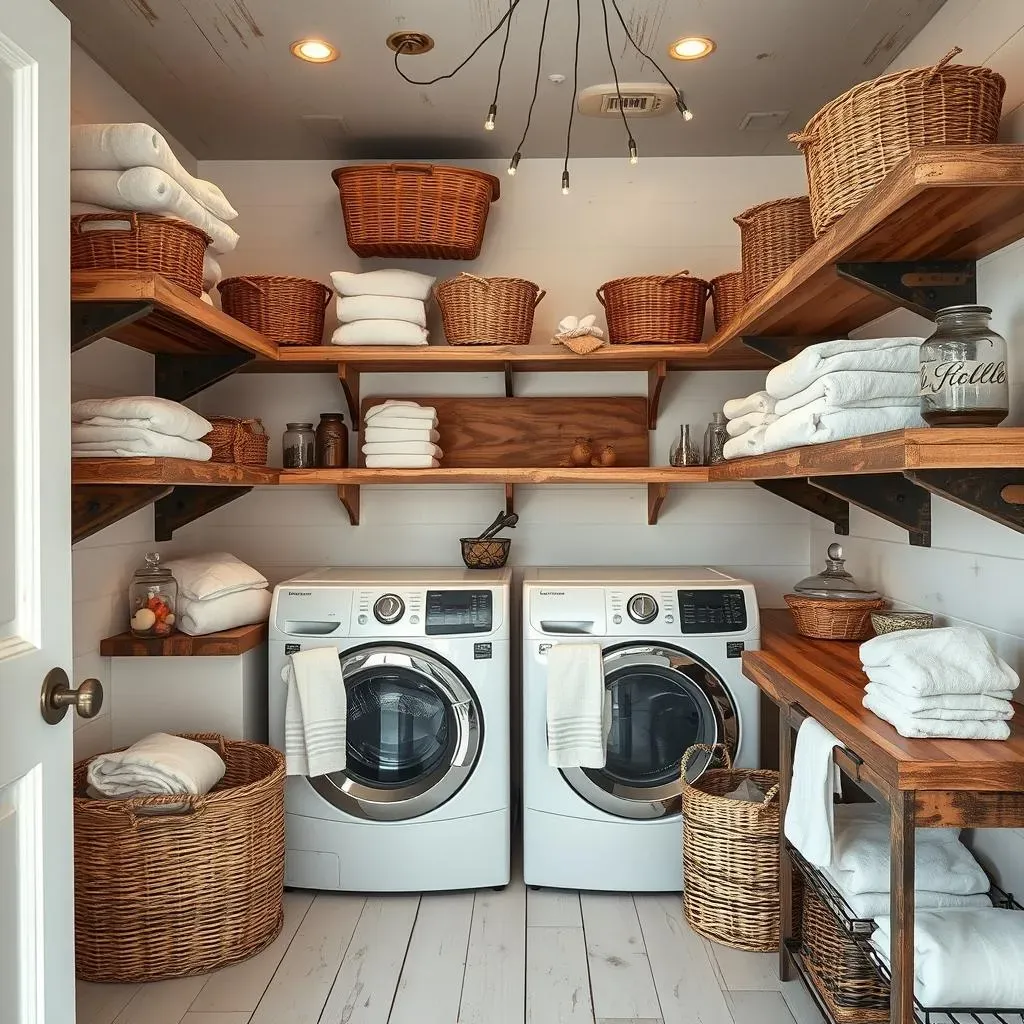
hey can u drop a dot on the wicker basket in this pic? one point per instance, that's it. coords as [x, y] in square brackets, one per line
[487, 310]
[287, 310]
[826, 619]
[854, 141]
[727, 297]
[140, 242]
[772, 236]
[161, 895]
[665, 310]
[731, 856]
[243, 442]
[415, 211]
[485, 554]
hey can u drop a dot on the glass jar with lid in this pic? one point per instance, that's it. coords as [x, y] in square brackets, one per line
[331, 441]
[834, 582]
[152, 599]
[299, 446]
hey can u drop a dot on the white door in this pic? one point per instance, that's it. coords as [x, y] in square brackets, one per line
[36, 880]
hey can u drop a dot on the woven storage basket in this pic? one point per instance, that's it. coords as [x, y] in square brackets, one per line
[487, 310]
[826, 619]
[772, 236]
[727, 297]
[141, 242]
[731, 855]
[287, 310]
[243, 442]
[161, 895]
[854, 141]
[665, 310]
[415, 211]
[485, 554]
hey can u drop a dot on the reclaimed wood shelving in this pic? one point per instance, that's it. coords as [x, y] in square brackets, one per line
[226, 643]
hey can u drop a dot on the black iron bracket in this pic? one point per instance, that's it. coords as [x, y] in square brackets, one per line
[923, 286]
[97, 506]
[891, 496]
[179, 376]
[780, 349]
[997, 494]
[188, 503]
[800, 492]
[92, 320]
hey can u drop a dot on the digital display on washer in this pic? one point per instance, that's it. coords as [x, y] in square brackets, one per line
[712, 611]
[458, 611]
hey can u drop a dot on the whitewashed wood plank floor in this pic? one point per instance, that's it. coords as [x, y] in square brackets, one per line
[514, 957]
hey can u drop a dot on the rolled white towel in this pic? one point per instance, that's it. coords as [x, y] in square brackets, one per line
[158, 765]
[198, 618]
[145, 411]
[742, 424]
[945, 708]
[842, 389]
[400, 283]
[815, 425]
[749, 443]
[381, 307]
[759, 401]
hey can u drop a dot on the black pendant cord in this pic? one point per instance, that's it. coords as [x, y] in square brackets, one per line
[615, 74]
[645, 55]
[504, 50]
[572, 107]
[536, 84]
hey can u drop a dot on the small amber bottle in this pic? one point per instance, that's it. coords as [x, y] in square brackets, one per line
[331, 441]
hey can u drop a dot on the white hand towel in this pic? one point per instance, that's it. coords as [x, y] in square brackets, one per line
[405, 284]
[400, 434]
[914, 727]
[964, 957]
[759, 401]
[198, 618]
[315, 714]
[868, 905]
[131, 442]
[400, 407]
[749, 443]
[944, 708]
[393, 421]
[212, 274]
[379, 332]
[401, 462]
[895, 355]
[207, 298]
[810, 819]
[843, 389]
[577, 706]
[159, 414]
[158, 765]
[742, 424]
[812, 426]
[402, 448]
[206, 577]
[381, 307]
[929, 662]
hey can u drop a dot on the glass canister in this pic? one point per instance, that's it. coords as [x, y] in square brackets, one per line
[683, 451]
[332, 441]
[299, 446]
[834, 582]
[963, 370]
[152, 599]
[715, 437]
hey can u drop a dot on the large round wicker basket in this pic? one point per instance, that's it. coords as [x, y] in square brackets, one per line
[660, 310]
[727, 297]
[161, 894]
[487, 310]
[287, 310]
[772, 236]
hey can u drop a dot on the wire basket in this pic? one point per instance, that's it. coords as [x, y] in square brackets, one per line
[487, 310]
[241, 441]
[667, 310]
[825, 619]
[772, 236]
[727, 297]
[485, 554]
[287, 310]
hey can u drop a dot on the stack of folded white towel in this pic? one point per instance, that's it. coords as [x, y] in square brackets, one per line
[218, 591]
[118, 167]
[381, 307]
[401, 435]
[136, 426]
[158, 765]
[827, 392]
[939, 682]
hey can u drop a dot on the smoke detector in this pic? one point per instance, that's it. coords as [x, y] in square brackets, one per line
[639, 99]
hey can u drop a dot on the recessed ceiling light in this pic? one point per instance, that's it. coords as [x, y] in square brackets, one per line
[691, 48]
[316, 51]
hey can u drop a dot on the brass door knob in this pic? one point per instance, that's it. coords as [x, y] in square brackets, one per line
[57, 696]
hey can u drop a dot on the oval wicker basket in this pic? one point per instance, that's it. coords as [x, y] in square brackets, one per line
[241, 441]
[854, 141]
[727, 297]
[834, 619]
[415, 211]
[731, 855]
[772, 236]
[666, 310]
[141, 242]
[161, 895]
[287, 310]
[487, 310]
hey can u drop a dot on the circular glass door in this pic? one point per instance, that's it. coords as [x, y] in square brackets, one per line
[413, 734]
[663, 700]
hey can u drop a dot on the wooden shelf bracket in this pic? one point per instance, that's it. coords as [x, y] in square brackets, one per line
[799, 491]
[780, 349]
[180, 376]
[656, 374]
[348, 495]
[997, 494]
[348, 377]
[510, 503]
[97, 506]
[922, 286]
[92, 320]
[510, 381]
[187, 503]
[890, 496]
[656, 495]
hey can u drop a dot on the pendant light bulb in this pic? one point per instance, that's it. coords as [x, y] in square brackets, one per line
[513, 164]
[684, 110]
[687, 114]
[633, 158]
[492, 114]
[565, 183]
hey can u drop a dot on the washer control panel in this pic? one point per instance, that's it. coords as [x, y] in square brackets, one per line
[388, 608]
[459, 611]
[712, 611]
[642, 608]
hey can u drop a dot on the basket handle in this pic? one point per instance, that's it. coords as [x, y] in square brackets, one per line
[473, 277]
[414, 168]
[801, 139]
[600, 295]
[705, 748]
[114, 220]
[328, 293]
[540, 295]
[942, 63]
[672, 277]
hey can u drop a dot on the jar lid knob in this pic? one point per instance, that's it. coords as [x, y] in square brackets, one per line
[153, 560]
[835, 551]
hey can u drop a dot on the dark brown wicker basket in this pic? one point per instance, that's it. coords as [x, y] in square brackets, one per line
[415, 211]
[487, 310]
[772, 236]
[141, 242]
[665, 310]
[161, 895]
[485, 554]
[241, 441]
[727, 297]
[287, 310]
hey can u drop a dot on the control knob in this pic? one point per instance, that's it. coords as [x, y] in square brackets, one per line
[388, 608]
[642, 608]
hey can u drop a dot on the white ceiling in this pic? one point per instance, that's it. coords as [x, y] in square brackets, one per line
[219, 75]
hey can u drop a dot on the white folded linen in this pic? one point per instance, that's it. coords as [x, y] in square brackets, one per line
[157, 414]
[391, 422]
[374, 434]
[811, 425]
[759, 401]
[381, 307]
[742, 424]
[212, 274]
[968, 958]
[405, 284]
[401, 462]
[809, 823]
[867, 905]
[157, 765]
[148, 190]
[854, 818]
[131, 442]
[379, 332]
[400, 407]
[315, 714]
[945, 708]
[402, 448]
[207, 298]
[899, 355]
[749, 443]
[198, 618]
[206, 577]
[577, 706]
[914, 727]
[842, 389]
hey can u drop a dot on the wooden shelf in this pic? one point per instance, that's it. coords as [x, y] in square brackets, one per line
[487, 475]
[224, 644]
[151, 470]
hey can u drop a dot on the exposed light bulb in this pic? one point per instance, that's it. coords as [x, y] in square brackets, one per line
[565, 183]
[633, 158]
[513, 164]
[492, 114]
[684, 109]
[687, 114]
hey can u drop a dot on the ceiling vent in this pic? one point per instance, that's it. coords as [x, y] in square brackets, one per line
[764, 120]
[639, 99]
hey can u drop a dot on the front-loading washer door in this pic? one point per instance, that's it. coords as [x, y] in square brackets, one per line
[414, 733]
[663, 700]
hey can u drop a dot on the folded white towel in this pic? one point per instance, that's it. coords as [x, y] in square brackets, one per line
[402, 448]
[158, 765]
[131, 442]
[898, 355]
[577, 706]
[842, 389]
[198, 618]
[400, 407]
[394, 422]
[749, 443]
[809, 824]
[742, 424]
[212, 274]
[401, 462]
[316, 713]
[206, 577]
[424, 433]
[759, 401]
[852, 819]
[379, 332]
[944, 708]
[157, 414]
[811, 425]
[401, 283]
[914, 727]
[381, 307]
[207, 298]
[964, 957]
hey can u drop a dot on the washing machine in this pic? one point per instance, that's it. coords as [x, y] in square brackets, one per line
[423, 802]
[672, 641]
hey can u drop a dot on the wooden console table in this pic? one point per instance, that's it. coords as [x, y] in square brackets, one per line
[927, 783]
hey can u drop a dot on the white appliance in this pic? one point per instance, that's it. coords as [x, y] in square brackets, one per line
[672, 641]
[423, 803]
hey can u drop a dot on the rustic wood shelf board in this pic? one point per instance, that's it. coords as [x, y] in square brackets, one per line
[97, 506]
[227, 643]
[636, 476]
[150, 470]
[187, 503]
